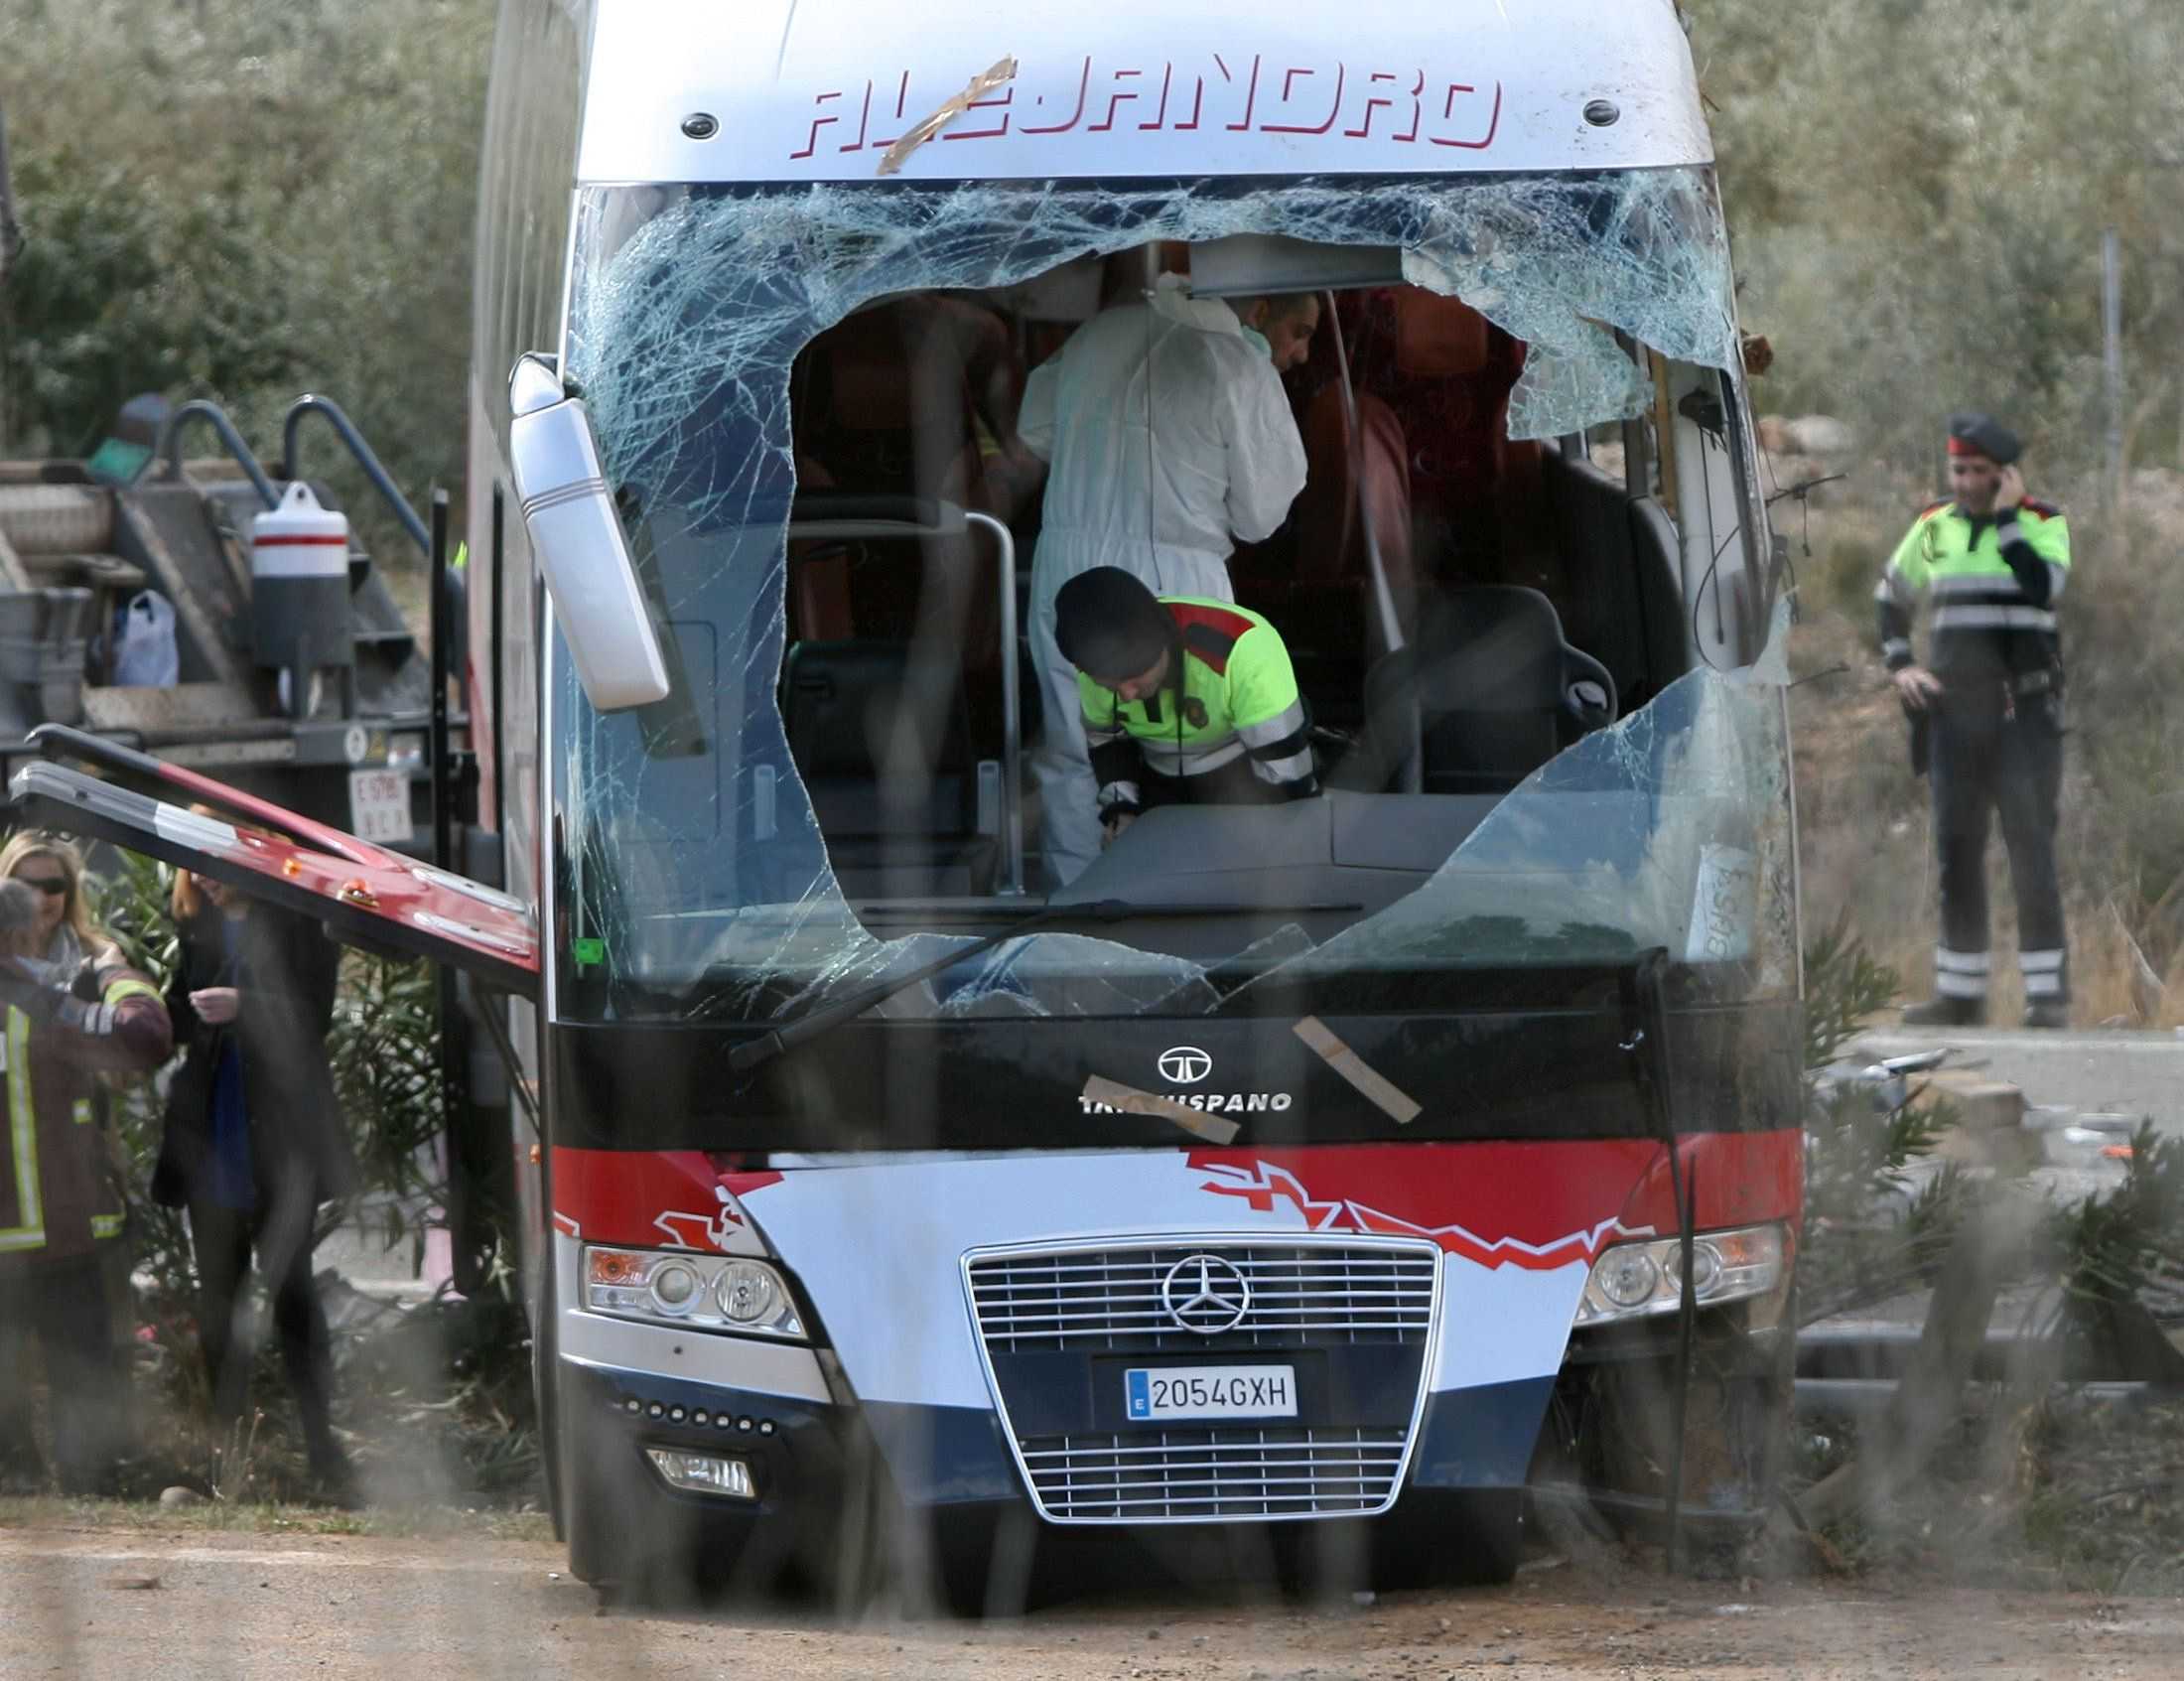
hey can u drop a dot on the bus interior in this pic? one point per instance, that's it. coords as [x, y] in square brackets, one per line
[1459, 607]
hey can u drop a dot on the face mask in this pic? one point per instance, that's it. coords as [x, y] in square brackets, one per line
[1258, 341]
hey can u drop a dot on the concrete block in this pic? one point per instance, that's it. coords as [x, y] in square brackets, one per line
[1990, 1116]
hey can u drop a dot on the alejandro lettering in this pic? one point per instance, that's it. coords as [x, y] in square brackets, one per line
[1228, 92]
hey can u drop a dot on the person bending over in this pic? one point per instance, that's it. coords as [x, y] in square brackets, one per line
[1185, 701]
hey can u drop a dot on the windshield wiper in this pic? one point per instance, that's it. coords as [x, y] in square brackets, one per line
[756, 1052]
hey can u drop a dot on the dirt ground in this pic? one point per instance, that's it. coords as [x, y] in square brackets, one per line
[152, 1602]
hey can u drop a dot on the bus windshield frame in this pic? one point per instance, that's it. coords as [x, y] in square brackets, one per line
[691, 878]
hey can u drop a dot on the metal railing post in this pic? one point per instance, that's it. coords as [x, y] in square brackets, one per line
[443, 638]
[1012, 723]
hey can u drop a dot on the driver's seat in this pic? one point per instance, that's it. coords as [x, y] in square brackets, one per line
[1496, 689]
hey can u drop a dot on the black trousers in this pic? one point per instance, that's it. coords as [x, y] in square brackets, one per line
[65, 1306]
[223, 1239]
[1989, 757]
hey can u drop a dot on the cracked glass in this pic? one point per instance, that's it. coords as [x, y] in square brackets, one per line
[695, 879]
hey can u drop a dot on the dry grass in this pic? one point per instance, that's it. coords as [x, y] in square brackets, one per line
[1865, 829]
[44, 1513]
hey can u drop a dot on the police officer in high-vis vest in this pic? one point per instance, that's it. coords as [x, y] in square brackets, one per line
[1185, 700]
[60, 1196]
[1989, 704]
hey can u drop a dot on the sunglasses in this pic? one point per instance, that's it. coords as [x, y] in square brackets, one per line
[53, 887]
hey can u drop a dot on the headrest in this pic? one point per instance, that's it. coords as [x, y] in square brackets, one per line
[1438, 337]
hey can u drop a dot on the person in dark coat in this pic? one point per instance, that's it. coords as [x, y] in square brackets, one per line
[255, 1141]
[63, 1243]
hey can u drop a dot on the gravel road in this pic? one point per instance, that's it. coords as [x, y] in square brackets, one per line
[81, 1605]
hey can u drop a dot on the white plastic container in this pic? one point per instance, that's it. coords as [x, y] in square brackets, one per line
[298, 584]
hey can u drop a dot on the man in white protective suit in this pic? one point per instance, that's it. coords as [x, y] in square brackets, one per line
[1170, 440]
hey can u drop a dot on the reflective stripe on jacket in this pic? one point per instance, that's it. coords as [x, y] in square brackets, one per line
[1238, 697]
[1994, 582]
[59, 1191]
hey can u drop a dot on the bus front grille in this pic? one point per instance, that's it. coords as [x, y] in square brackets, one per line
[1062, 1327]
[1116, 1299]
[1231, 1473]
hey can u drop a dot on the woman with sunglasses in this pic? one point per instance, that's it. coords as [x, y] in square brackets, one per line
[65, 934]
[254, 1142]
[71, 1011]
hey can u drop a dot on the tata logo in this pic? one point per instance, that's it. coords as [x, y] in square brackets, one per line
[1185, 1065]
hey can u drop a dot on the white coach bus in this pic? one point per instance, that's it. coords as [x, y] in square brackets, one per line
[1396, 1157]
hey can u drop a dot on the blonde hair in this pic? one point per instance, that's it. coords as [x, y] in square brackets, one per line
[22, 847]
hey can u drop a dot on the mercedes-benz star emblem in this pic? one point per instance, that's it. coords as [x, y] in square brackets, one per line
[1205, 1294]
[1185, 1065]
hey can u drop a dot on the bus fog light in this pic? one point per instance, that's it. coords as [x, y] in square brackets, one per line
[704, 1473]
[1634, 1280]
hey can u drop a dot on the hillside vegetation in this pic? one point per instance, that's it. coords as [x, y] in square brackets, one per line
[244, 199]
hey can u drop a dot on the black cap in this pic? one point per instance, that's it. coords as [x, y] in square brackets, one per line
[1109, 626]
[1983, 434]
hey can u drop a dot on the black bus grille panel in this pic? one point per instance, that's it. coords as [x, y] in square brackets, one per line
[1302, 1296]
[1234, 1472]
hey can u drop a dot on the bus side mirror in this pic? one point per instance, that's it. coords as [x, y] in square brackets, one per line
[578, 542]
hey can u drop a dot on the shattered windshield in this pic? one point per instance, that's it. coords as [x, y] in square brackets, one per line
[862, 434]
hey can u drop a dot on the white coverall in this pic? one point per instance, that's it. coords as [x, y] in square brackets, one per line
[1169, 435]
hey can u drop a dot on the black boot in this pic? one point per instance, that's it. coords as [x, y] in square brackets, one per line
[1947, 1013]
[2050, 1015]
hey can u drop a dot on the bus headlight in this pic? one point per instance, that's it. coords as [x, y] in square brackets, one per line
[705, 1292]
[746, 1292]
[1634, 1280]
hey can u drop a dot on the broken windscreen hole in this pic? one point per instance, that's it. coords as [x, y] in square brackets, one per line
[813, 402]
